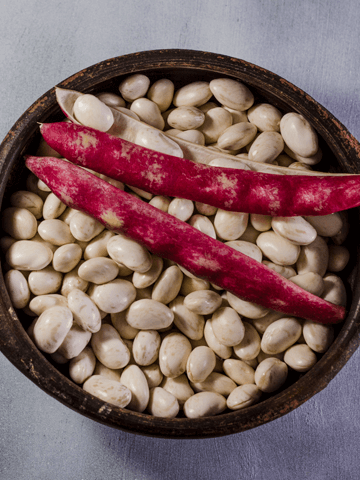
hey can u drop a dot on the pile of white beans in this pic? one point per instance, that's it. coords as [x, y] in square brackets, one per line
[141, 332]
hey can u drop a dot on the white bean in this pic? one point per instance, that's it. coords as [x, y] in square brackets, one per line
[261, 324]
[134, 86]
[56, 232]
[110, 373]
[203, 224]
[249, 347]
[18, 288]
[168, 285]
[67, 257]
[92, 112]
[149, 314]
[28, 200]
[204, 404]
[156, 140]
[298, 134]
[239, 371]
[129, 253]
[217, 120]
[237, 116]
[19, 223]
[215, 382]
[160, 202]
[111, 99]
[109, 391]
[243, 396]
[53, 207]
[194, 94]
[271, 374]
[143, 280]
[326, 225]
[221, 350]
[334, 290]
[339, 257]
[134, 379]
[98, 270]
[85, 312]
[174, 352]
[52, 327]
[310, 281]
[312, 160]
[189, 323]
[148, 112]
[84, 228]
[203, 302]
[162, 403]
[278, 249]
[227, 326]
[161, 92]
[265, 117]
[246, 248]
[153, 375]
[313, 257]
[146, 347]
[119, 322]
[232, 94]
[300, 358]
[114, 296]
[179, 387]
[237, 136]
[186, 118]
[261, 223]
[45, 281]
[205, 209]
[280, 335]
[74, 343]
[245, 308]
[296, 229]
[200, 364]
[82, 366]
[318, 337]
[181, 208]
[230, 225]
[28, 255]
[72, 280]
[193, 136]
[109, 347]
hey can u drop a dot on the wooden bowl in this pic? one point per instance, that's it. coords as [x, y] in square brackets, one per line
[182, 67]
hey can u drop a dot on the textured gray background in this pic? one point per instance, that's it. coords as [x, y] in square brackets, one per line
[314, 44]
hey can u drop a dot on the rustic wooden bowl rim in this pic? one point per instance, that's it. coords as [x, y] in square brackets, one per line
[18, 348]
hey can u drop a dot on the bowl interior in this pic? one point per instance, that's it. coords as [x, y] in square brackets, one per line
[182, 67]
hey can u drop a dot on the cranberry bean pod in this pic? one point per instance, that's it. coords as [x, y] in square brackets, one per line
[239, 190]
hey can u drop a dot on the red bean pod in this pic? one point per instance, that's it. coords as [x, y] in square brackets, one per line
[225, 188]
[168, 237]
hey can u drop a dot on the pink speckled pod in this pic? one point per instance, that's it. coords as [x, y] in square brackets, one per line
[225, 188]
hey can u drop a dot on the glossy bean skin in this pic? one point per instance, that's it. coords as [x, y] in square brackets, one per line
[270, 374]
[134, 379]
[109, 348]
[174, 352]
[200, 364]
[179, 387]
[82, 366]
[204, 404]
[17, 288]
[243, 396]
[52, 327]
[162, 403]
[280, 335]
[109, 391]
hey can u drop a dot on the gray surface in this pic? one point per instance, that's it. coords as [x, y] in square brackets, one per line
[314, 44]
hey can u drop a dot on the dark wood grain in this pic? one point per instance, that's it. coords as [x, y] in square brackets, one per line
[182, 66]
